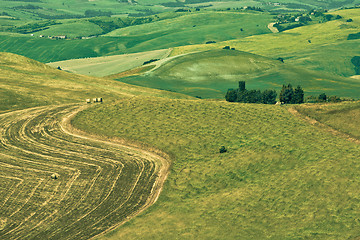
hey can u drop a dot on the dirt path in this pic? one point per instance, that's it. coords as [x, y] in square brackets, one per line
[100, 182]
[272, 28]
[324, 127]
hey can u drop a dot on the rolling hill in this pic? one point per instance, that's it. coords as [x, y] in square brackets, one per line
[322, 46]
[280, 178]
[211, 73]
[28, 83]
[180, 30]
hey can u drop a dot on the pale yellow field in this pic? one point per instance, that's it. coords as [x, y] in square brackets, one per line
[104, 66]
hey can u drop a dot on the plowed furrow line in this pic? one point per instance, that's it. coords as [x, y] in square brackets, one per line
[64, 185]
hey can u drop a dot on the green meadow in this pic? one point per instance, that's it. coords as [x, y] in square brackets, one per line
[328, 49]
[281, 178]
[211, 73]
[181, 30]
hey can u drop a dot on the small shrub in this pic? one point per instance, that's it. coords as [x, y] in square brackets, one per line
[222, 149]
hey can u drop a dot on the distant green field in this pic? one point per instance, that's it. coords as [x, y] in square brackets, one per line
[210, 74]
[328, 49]
[280, 179]
[45, 9]
[158, 35]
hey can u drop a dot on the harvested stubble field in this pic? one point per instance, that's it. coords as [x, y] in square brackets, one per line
[282, 178]
[99, 185]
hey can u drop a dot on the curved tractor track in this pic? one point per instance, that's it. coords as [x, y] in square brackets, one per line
[99, 184]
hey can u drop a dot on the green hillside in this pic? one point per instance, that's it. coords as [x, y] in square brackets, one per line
[104, 66]
[52, 9]
[28, 83]
[328, 49]
[210, 74]
[182, 30]
[280, 179]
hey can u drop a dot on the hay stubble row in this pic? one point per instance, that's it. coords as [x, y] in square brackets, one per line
[100, 184]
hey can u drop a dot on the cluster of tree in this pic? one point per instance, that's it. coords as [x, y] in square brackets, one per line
[353, 36]
[110, 24]
[33, 27]
[4, 14]
[143, 13]
[182, 10]
[282, 28]
[29, 6]
[254, 8]
[356, 62]
[322, 98]
[250, 96]
[150, 61]
[97, 13]
[60, 16]
[24, 0]
[228, 48]
[289, 95]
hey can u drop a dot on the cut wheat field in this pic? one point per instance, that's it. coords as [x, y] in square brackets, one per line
[99, 184]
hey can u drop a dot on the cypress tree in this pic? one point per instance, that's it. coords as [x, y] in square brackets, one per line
[298, 95]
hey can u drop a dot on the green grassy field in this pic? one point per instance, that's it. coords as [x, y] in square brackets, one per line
[72, 29]
[329, 50]
[27, 83]
[341, 116]
[35, 10]
[210, 74]
[179, 31]
[280, 179]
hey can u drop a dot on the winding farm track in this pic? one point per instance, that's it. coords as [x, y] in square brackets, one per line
[101, 184]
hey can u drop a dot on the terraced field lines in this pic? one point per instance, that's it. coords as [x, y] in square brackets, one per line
[99, 185]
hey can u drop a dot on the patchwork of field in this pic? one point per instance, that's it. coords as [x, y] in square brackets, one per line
[323, 47]
[184, 29]
[98, 184]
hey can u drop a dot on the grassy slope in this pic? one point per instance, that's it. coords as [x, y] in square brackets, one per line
[199, 28]
[141, 38]
[280, 179]
[27, 83]
[328, 51]
[210, 74]
[72, 29]
[104, 66]
[344, 116]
